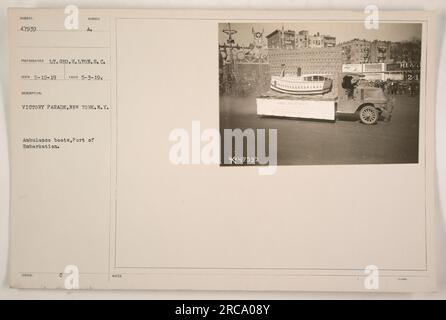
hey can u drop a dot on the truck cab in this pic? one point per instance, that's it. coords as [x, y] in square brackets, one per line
[369, 103]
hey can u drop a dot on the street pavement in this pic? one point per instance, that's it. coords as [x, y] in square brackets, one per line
[345, 141]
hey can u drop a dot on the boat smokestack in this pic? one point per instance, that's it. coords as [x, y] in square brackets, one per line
[282, 73]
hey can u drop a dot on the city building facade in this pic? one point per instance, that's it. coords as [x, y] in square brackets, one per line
[355, 51]
[281, 39]
[302, 39]
[324, 60]
[380, 51]
[290, 40]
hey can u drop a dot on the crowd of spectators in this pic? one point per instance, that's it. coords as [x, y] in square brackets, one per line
[395, 87]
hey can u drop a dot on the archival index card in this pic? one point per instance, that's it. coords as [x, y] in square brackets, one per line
[222, 150]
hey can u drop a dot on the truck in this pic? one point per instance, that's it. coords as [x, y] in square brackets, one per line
[348, 96]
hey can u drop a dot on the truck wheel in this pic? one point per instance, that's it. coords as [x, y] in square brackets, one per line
[368, 114]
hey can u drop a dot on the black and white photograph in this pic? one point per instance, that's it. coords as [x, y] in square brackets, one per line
[334, 92]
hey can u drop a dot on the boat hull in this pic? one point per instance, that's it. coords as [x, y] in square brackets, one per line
[301, 92]
[301, 88]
